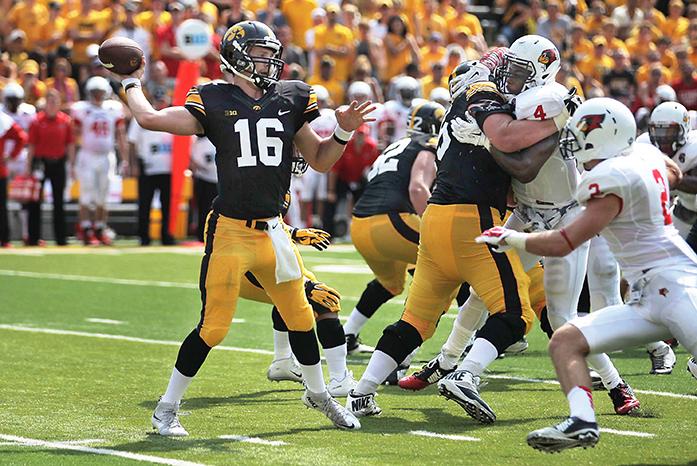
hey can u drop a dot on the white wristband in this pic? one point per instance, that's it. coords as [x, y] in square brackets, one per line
[517, 240]
[341, 134]
[130, 82]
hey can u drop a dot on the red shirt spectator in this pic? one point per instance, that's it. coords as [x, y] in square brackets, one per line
[686, 89]
[360, 153]
[50, 135]
[10, 131]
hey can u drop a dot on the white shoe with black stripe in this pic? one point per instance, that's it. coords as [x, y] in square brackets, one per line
[463, 388]
[570, 433]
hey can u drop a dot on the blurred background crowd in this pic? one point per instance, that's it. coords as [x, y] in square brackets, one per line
[641, 52]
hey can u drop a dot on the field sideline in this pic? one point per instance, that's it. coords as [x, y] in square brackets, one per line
[88, 338]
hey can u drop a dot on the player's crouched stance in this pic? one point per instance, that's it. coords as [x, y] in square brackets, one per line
[626, 197]
[254, 120]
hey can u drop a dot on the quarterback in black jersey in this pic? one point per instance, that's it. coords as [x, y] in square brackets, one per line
[386, 220]
[469, 197]
[253, 119]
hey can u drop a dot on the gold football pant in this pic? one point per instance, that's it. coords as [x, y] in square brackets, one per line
[231, 250]
[449, 256]
[388, 243]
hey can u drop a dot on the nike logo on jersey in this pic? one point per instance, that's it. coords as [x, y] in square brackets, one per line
[283, 112]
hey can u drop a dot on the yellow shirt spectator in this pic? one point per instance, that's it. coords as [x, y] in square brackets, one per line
[639, 50]
[428, 24]
[95, 24]
[398, 55]
[642, 73]
[334, 87]
[467, 20]
[210, 10]
[335, 36]
[53, 29]
[428, 83]
[29, 19]
[582, 48]
[429, 56]
[595, 66]
[298, 15]
[150, 21]
[254, 5]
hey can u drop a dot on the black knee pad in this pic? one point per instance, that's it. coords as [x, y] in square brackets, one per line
[502, 330]
[462, 294]
[304, 346]
[399, 340]
[192, 353]
[374, 296]
[330, 333]
[278, 323]
[545, 325]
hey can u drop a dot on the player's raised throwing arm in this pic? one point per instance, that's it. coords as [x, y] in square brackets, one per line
[175, 120]
[321, 153]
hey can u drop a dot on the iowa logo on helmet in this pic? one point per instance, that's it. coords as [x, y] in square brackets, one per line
[235, 32]
[588, 123]
[547, 57]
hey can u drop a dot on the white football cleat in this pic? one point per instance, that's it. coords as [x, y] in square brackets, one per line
[662, 364]
[692, 367]
[362, 405]
[337, 388]
[166, 420]
[463, 388]
[570, 433]
[518, 347]
[284, 369]
[325, 404]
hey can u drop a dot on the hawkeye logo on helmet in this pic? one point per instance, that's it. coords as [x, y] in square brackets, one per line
[547, 57]
[235, 32]
[588, 123]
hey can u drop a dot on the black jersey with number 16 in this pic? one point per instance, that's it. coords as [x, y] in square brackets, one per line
[389, 177]
[253, 140]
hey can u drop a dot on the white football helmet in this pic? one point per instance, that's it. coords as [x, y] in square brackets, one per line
[441, 96]
[601, 128]
[322, 94]
[96, 84]
[13, 90]
[406, 89]
[531, 61]
[668, 127]
[665, 93]
[360, 91]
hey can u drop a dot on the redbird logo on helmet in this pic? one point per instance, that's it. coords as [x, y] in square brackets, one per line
[588, 123]
[547, 57]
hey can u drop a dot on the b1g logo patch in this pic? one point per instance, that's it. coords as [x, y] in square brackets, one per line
[588, 123]
[547, 57]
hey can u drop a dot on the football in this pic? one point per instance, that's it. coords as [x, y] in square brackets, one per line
[120, 55]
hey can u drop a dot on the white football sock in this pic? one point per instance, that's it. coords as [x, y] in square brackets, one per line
[454, 346]
[581, 404]
[379, 367]
[313, 378]
[606, 370]
[661, 348]
[355, 322]
[336, 362]
[178, 383]
[410, 356]
[281, 345]
[85, 224]
[480, 356]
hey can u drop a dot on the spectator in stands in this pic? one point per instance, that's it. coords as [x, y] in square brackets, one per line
[514, 23]
[595, 17]
[132, 31]
[153, 151]
[454, 57]
[51, 144]
[595, 66]
[272, 16]
[29, 16]
[432, 52]
[52, 35]
[159, 86]
[291, 52]
[327, 79]
[620, 79]
[675, 25]
[566, 77]
[641, 44]
[400, 46]
[34, 88]
[462, 38]
[234, 14]
[335, 40]
[686, 86]
[378, 25]
[350, 17]
[371, 48]
[462, 18]
[16, 47]
[556, 25]
[166, 37]
[614, 43]
[668, 58]
[154, 17]
[205, 178]
[627, 17]
[428, 21]
[299, 14]
[578, 46]
[363, 72]
[436, 78]
[10, 131]
[653, 61]
[86, 26]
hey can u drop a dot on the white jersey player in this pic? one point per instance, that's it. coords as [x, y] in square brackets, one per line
[393, 121]
[101, 125]
[360, 91]
[669, 130]
[626, 199]
[23, 114]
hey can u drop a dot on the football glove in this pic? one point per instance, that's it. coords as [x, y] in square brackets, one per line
[502, 239]
[322, 298]
[318, 239]
[466, 131]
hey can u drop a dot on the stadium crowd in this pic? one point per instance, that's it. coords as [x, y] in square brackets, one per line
[641, 52]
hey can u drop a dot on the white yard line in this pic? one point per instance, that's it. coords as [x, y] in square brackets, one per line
[87, 278]
[461, 438]
[627, 433]
[106, 336]
[86, 441]
[257, 440]
[30, 442]
[96, 320]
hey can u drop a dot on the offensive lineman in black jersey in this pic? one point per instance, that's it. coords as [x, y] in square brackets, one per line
[470, 195]
[253, 120]
[386, 219]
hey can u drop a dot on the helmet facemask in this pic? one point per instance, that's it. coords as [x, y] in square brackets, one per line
[668, 137]
[298, 164]
[249, 67]
[515, 75]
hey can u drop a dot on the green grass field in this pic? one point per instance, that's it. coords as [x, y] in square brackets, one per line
[88, 338]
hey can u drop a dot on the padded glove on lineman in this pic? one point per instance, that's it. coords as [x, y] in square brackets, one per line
[318, 239]
[467, 131]
[496, 236]
[322, 298]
